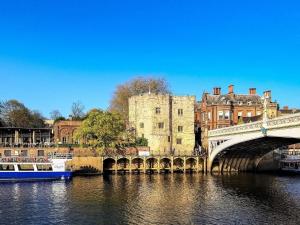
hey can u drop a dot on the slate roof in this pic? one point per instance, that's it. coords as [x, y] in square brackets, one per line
[235, 99]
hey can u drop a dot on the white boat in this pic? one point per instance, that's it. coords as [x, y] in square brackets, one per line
[52, 167]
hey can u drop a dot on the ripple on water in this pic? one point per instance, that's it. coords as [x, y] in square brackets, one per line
[154, 199]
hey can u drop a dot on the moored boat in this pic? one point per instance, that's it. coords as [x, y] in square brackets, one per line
[52, 167]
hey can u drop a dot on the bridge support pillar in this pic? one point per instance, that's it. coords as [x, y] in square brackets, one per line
[144, 164]
[116, 165]
[172, 164]
[184, 164]
[130, 164]
[158, 165]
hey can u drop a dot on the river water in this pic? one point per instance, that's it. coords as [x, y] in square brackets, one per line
[154, 199]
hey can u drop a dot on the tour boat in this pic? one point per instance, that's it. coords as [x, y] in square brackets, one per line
[290, 164]
[23, 168]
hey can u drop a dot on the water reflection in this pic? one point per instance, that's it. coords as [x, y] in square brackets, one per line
[154, 199]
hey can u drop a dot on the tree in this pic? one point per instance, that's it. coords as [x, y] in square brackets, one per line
[77, 111]
[55, 114]
[140, 85]
[15, 114]
[101, 129]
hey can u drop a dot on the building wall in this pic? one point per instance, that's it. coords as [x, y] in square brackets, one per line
[64, 131]
[145, 119]
[238, 106]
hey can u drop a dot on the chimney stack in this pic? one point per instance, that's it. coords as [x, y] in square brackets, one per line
[230, 89]
[252, 91]
[267, 94]
[217, 90]
[285, 107]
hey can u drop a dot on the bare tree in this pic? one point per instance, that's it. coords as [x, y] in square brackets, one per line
[136, 86]
[77, 110]
[55, 114]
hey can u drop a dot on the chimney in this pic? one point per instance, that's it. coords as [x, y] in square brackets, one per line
[252, 91]
[217, 90]
[230, 89]
[267, 94]
[285, 107]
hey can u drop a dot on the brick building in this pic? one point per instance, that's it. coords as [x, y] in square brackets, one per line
[64, 131]
[219, 110]
[166, 121]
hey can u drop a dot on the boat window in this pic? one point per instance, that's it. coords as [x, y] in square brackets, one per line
[44, 167]
[7, 167]
[25, 167]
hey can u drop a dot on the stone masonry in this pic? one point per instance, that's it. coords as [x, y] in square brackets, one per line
[166, 121]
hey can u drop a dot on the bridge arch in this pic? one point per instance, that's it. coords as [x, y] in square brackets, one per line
[108, 164]
[243, 152]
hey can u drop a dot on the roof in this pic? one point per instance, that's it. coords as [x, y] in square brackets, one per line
[236, 99]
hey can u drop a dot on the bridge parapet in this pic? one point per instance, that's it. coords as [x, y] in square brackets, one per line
[279, 122]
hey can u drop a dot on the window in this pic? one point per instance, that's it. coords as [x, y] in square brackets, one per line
[44, 167]
[141, 125]
[9, 167]
[249, 103]
[169, 139]
[41, 153]
[180, 112]
[209, 115]
[227, 115]
[25, 167]
[161, 125]
[179, 141]
[143, 136]
[249, 114]
[7, 153]
[240, 114]
[220, 115]
[180, 128]
[157, 110]
[24, 153]
[64, 140]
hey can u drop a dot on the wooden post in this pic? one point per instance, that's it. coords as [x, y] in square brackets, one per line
[158, 165]
[197, 165]
[184, 164]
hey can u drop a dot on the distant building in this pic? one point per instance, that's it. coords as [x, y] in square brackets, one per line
[64, 131]
[286, 111]
[166, 121]
[219, 110]
[25, 137]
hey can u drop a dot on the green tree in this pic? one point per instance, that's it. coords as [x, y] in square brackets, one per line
[136, 86]
[102, 129]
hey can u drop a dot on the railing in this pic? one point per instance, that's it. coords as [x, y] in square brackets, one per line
[18, 159]
[283, 121]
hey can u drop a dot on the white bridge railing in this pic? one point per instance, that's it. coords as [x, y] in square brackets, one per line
[276, 123]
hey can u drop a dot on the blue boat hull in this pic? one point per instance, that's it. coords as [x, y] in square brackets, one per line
[31, 175]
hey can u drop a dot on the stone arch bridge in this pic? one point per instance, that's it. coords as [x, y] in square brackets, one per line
[241, 147]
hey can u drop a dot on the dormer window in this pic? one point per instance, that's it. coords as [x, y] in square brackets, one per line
[249, 103]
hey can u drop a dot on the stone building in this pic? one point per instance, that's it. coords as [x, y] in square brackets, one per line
[64, 131]
[219, 110]
[166, 121]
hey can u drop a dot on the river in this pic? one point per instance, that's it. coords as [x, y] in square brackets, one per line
[154, 199]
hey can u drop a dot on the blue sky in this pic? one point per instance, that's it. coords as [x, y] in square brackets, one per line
[55, 52]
